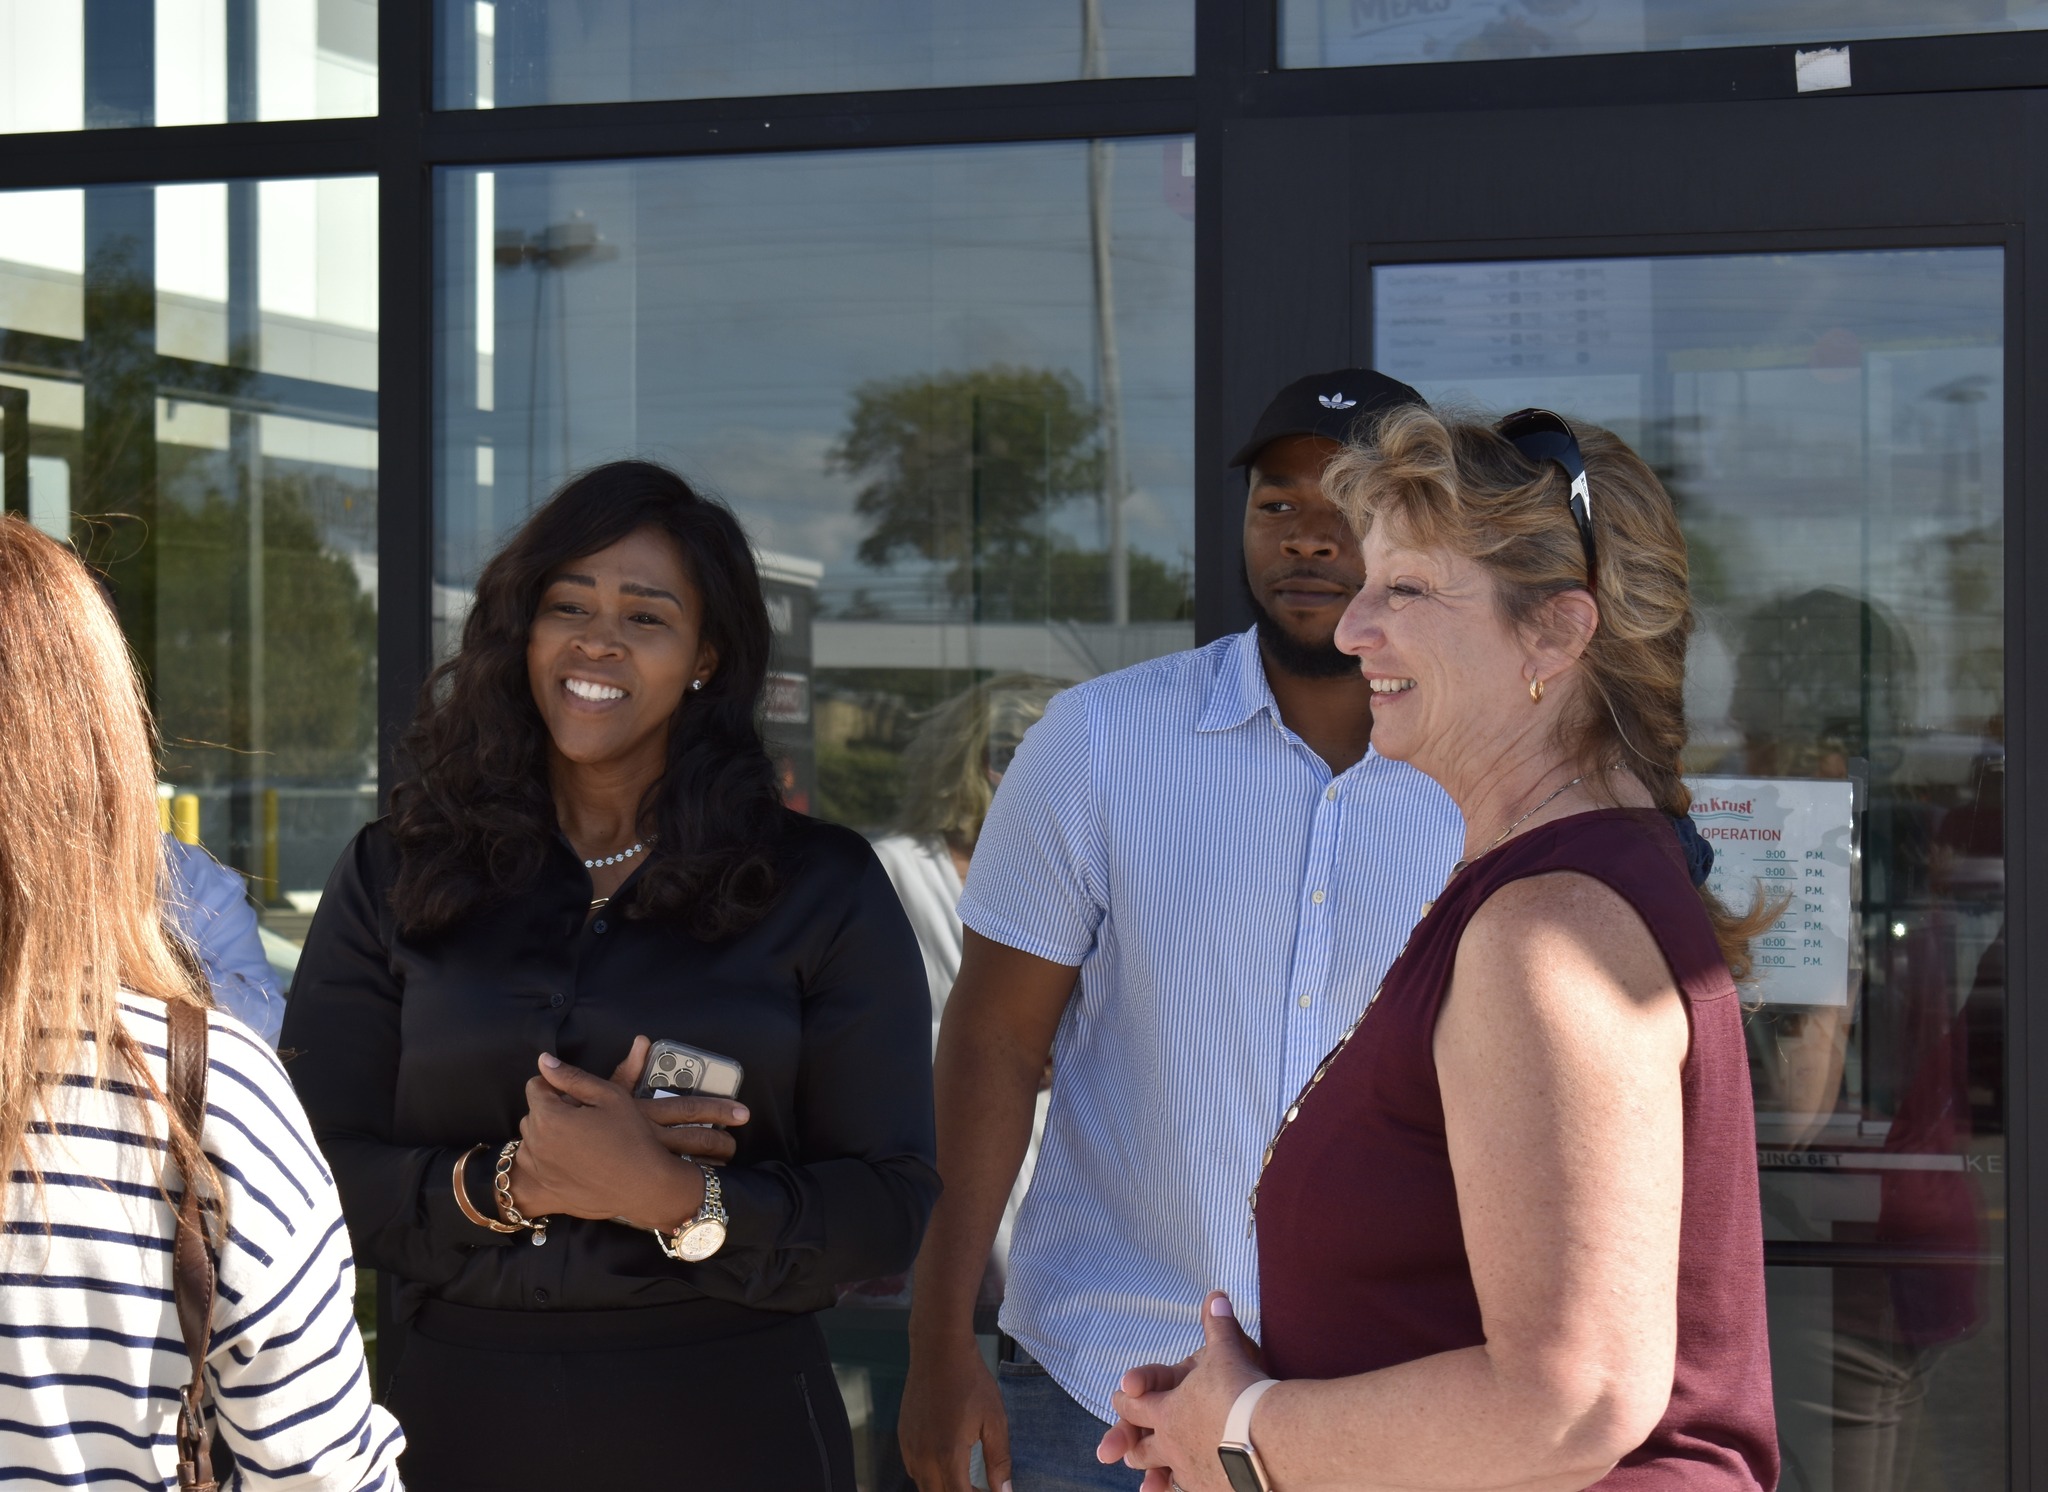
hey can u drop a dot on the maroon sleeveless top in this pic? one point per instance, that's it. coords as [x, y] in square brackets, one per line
[1361, 1256]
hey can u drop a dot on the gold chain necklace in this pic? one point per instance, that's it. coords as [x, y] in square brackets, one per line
[1502, 837]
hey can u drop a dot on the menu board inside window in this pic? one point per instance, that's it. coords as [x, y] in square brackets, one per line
[1791, 845]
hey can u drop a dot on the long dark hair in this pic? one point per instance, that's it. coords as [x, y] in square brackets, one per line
[472, 812]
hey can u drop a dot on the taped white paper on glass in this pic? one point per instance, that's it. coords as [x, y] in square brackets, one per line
[1797, 838]
[1820, 70]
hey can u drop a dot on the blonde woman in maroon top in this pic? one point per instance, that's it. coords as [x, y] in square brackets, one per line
[1509, 1235]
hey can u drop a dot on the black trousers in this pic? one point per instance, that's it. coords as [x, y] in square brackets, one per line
[507, 1401]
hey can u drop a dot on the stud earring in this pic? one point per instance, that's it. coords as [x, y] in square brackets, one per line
[696, 684]
[1535, 691]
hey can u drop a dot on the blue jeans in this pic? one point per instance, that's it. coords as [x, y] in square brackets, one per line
[1052, 1438]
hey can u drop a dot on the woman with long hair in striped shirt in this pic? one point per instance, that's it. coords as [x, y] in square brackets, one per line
[91, 1355]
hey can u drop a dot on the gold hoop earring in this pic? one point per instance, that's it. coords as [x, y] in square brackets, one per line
[1535, 691]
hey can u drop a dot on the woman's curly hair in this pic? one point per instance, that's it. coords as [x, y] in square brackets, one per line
[472, 812]
[1451, 480]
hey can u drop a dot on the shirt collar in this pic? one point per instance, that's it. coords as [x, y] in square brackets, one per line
[1240, 689]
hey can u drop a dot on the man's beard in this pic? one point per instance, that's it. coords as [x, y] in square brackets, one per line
[1288, 653]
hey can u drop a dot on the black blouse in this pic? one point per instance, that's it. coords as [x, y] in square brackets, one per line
[407, 1052]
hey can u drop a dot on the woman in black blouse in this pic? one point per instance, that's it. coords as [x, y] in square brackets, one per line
[586, 850]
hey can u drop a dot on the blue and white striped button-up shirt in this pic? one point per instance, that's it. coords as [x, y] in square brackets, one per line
[1232, 907]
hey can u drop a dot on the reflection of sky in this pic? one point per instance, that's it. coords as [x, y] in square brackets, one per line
[551, 51]
[1354, 33]
[1822, 419]
[748, 296]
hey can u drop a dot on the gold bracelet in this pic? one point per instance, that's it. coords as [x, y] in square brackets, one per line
[502, 1184]
[462, 1194]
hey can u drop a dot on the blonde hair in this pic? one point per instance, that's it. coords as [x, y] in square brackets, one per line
[946, 765]
[1454, 483]
[80, 851]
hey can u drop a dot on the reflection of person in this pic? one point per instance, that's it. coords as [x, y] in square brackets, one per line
[1825, 682]
[587, 850]
[212, 912]
[1188, 886]
[950, 773]
[92, 1354]
[1543, 1122]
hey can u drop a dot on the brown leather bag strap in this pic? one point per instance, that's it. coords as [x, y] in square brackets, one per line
[191, 1259]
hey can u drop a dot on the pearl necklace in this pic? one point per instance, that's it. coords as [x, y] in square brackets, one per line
[626, 854]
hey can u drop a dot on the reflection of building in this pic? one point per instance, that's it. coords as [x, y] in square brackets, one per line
[188, 384]
[1064, 650]
[790, 586]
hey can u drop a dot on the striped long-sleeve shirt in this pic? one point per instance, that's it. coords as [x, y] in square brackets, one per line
[91, 1358]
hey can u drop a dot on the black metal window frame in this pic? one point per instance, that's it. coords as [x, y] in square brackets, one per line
[1236, 78]
[1236, 81]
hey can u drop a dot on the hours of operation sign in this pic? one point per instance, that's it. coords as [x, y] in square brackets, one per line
[1796, 838]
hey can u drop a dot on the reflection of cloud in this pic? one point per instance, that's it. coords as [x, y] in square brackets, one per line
[779, 483]
[749, 464]
[1156, 523]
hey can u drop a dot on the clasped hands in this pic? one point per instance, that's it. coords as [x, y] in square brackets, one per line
[588, 1148]
[1170, 1417]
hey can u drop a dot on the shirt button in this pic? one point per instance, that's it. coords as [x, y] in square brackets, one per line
[541, 1294]
[1317, 898]
[1304, 1002]
[597, 926]
[1330, 793]
[555, 1000]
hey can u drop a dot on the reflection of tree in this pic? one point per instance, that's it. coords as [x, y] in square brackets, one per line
[171, 527]
[965, 469]
[320, 637]
[116, 488]
[865, 718]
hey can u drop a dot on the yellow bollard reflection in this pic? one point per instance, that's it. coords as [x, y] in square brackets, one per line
[266, 891]
[185, 817]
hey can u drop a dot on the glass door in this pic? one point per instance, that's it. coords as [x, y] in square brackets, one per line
[1831, 427]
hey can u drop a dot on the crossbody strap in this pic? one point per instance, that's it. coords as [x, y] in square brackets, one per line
[191, 1259]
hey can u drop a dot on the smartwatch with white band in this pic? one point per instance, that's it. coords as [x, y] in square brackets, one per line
[1241, 1463]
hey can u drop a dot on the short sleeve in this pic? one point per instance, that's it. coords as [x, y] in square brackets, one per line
[1037, 881]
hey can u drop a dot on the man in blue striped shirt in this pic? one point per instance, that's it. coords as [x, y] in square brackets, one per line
[1192, 880]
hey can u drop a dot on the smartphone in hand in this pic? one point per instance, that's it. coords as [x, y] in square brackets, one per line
[675, 1069]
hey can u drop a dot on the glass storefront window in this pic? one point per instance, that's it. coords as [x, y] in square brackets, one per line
[72, 64]
[1360, 33]
[949, 392]
[1831, 426]
[188, 395]
[508, 53]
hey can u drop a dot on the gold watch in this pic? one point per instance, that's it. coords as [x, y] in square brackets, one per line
[703, 1235]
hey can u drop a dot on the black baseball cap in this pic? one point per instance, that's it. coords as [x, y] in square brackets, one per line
[1326, 404]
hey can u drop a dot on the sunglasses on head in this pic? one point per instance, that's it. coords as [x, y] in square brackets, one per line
[1542, 436]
